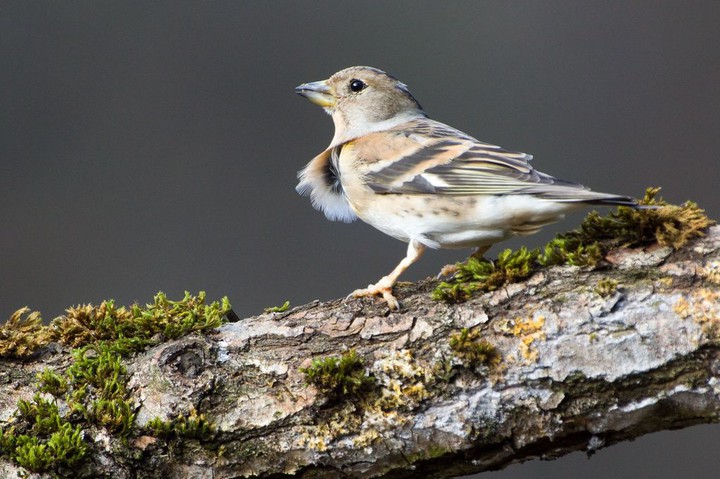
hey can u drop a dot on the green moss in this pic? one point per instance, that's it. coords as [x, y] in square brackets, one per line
[278, 309]
[654, 221]
[473, 351]
[570, 251]
[606, 287]
[97, 388]
[8, 440]
[443, 371]
[63, 449]
[479, 274]
[41, 415]
[159, 428]
[137, 327]
[50, 440]
[116, 415]
[184, 426]
[52, 383]
[23, 334]
[94, 387]
[339, 376]
[194, 426]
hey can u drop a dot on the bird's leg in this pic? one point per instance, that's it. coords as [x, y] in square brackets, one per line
[451, 269]
[480, 252]
[384, 286]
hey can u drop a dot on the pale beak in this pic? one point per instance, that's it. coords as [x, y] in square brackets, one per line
[318, 92]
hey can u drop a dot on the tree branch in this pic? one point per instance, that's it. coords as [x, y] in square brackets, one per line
[585, 359]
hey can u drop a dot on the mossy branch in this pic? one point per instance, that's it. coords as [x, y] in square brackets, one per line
[607, 333]
[93, 389]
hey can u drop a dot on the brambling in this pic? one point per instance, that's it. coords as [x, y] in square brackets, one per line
[421, 181]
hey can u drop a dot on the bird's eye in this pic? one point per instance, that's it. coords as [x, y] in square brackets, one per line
[356, 85]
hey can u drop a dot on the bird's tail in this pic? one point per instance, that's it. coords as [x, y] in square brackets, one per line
[615, 200]
[578, 194]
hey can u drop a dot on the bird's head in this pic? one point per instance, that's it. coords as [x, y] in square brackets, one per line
[362, 100]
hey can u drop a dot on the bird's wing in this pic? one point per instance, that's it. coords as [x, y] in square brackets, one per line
[425, 156]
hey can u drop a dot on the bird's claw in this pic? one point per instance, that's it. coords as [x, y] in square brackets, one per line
[448, 271]
[376, 290]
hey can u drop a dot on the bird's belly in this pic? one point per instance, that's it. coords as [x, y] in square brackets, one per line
[460, 221]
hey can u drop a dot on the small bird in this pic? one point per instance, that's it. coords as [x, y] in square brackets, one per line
[422, 181]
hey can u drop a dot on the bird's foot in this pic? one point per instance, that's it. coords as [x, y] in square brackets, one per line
[381, 288]
[450, 270]
[447, 271]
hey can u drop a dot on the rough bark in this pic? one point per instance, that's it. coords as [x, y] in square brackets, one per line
[579, 370]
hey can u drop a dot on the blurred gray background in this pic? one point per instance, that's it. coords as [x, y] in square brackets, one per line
[150, 146]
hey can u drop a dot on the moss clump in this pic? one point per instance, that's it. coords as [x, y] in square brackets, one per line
[94, 387]
[193, 426]
[184, 426]
[339, 376]
[606, 287]
[278, 309]
[653, 221]
[160, 428]
[132, 329]
[117, 415]
[472, 350]
[479, 274]
[94, 390]
[138, 327]
[22, 334]
[570, 251]
[41, 415]
[98, 391]
[52, 383]
[62, 449]
[49, 442]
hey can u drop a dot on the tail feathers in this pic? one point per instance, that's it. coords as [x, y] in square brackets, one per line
[578, 195]
[615, 200]
[622, 201]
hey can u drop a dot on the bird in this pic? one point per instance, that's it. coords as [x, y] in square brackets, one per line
[421, 181]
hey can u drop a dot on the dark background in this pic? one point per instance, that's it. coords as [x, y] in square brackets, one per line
[150, 146]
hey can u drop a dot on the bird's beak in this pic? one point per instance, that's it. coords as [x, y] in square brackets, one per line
[318, 92]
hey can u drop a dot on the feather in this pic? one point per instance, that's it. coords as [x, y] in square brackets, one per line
[320, 180]
[445, 161]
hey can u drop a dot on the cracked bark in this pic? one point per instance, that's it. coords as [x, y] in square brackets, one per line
[579, 371]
